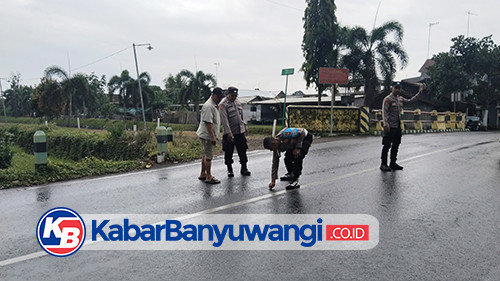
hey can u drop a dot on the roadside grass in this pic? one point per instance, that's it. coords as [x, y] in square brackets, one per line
[22, 172]
[63, 163]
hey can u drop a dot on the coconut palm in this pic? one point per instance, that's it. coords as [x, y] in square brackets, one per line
[198, 86]
[375, 54]
[71, 85]
[128, 90]
[122, 84]
[147, 93]
[18, 97]
[177, 88]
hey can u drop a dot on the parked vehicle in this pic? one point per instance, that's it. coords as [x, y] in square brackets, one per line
[474, 123]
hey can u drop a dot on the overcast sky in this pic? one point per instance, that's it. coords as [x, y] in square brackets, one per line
[244, 43]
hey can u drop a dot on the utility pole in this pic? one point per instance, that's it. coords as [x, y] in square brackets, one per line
[3, 101]
[217, 64]
[469, 13]
[139, 80]
[429, 40]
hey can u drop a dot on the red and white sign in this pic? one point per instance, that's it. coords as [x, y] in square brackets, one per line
[347, 232]
[328, 75]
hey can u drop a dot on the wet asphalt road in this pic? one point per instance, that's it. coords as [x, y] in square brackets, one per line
[439, 217]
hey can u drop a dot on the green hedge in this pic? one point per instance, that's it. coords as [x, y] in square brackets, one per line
[106, 124]
[101, 124]
[76, 144]
[5, 151]
[22, 172]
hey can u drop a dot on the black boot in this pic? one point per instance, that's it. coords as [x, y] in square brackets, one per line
[230, 172]
[395, 166]
[244, 171]
[385, 168]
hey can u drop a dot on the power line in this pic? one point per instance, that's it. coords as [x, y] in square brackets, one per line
[284, 5]
[99, 60]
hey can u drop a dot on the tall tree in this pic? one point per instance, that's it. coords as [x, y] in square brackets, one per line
[375, 54]
[471, 67]
[18, 97]
[49, 98]
[177, 89]
[122, 84]
[96, 95]
[198, 86]
[320, 42]
[128, 90]
[147, 92]
[71, 85]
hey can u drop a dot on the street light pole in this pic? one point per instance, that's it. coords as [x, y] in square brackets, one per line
[429, 40]
[3, 101]
[469, 13]
[139, 81]
[216, 72]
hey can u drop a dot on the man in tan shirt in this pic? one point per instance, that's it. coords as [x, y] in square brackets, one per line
[208, 132]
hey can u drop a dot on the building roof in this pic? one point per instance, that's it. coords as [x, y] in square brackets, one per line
[305, 100]
[253, 93]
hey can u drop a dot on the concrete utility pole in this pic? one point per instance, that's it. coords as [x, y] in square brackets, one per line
[139, 81]
[217, 64]
[469, 13]
[429, 40]
[3, 101]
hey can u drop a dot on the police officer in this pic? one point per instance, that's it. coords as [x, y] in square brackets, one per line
[295, 142]
[235, 129]
[391, 115]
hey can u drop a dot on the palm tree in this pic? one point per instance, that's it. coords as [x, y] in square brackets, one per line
[198, 86]
[96, 95]
[77, 84]
[147, 93]
[128, 90]
[18, 97]
[177, 88]
[122, 84]
[372, 54]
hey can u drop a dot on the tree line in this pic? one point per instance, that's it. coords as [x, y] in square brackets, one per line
[471, 66]
[88, 95]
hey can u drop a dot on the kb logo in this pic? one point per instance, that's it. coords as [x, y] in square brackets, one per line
[60, 232]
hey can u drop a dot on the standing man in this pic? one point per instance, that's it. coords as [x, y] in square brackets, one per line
[208, 132]
[296, 143]
[234, 131]
[391, 115]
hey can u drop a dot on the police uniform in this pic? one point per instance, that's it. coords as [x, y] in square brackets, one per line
[391, 115]
[231, 113]
[289, 140]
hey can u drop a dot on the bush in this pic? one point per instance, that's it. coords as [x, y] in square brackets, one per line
[22, 172]
[5, 152]
[77, 144]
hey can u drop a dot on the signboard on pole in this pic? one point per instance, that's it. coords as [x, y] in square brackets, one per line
[287, 71]
[328, 75]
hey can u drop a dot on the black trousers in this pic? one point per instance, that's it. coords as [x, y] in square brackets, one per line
[240, 141]
[294, 165]
[391, 140]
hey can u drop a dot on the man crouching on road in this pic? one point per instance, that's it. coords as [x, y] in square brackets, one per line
[296, 143]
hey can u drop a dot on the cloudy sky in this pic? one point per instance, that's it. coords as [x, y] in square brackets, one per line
[244, 43]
